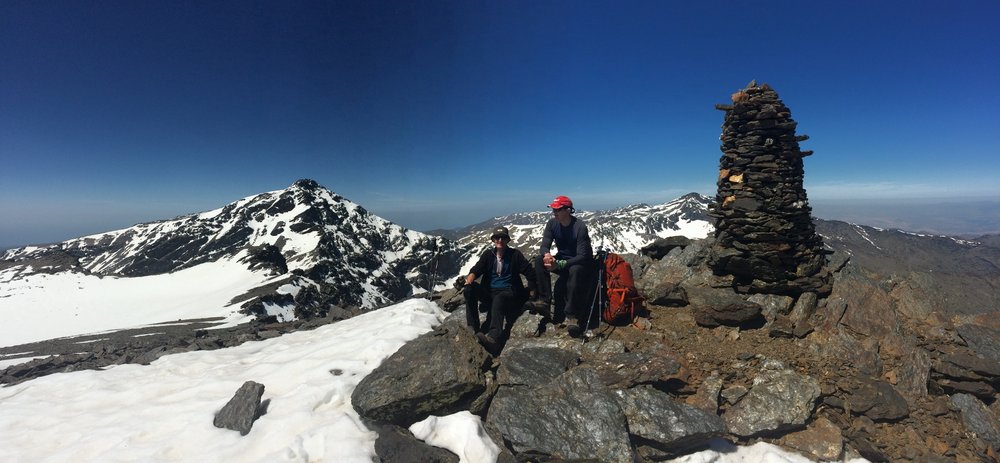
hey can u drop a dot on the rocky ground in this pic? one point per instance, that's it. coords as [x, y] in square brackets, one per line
[932, 431]
[143, 345]
[870, 369]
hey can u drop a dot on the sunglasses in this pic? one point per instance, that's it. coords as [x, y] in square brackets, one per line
[499, 238]
[560, 209]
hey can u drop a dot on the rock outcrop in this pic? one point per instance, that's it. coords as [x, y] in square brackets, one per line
[835, 375]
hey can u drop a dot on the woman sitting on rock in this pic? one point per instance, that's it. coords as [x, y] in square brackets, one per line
[500, 291]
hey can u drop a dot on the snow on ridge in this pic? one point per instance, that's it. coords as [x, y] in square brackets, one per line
[69, 304]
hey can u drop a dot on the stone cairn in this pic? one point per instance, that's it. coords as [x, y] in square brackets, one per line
[765, 237]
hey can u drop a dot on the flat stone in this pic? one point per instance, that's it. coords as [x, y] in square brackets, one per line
[822, 439]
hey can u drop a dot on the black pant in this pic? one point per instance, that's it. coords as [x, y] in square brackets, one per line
[498, 303]
[573, 291]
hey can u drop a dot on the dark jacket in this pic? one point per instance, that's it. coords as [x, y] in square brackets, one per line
[575, 248]
[519, 265]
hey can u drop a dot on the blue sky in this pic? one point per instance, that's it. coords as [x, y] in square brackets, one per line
[442, 114]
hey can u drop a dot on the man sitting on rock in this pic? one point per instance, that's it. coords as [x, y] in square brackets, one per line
[500, 290]
[574, 263]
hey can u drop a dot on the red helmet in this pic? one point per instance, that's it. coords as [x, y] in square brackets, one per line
[561, 202]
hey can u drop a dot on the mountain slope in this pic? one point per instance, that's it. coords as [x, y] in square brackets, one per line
[317, 247]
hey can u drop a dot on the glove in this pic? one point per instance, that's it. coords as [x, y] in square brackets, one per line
[560, 264]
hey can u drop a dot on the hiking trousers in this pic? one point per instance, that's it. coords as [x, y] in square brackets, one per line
[500, 304]
[573, 292]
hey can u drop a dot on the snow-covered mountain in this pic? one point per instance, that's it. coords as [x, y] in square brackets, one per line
[622, 230]
[305, 246]
[290, 253]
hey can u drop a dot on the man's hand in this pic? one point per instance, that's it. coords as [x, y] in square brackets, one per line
[549, 262]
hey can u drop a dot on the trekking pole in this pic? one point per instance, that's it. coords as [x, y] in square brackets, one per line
[597, 292]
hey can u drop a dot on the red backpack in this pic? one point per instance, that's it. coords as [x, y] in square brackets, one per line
[623, 301]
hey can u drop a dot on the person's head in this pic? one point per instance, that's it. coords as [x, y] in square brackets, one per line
[562, 208]
[500, 237]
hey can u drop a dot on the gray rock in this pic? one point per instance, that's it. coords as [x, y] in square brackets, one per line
[804, 307]
[733, 394]
[572, 417]
[661, 246]
[397, 445]
[778, 400]
[983, 340]
[730, 314]
[772, 305]
[665, 423]
[626, 369]
[526, 326]
[439, 373]
[533, 366]
[879, 401]
[978, 419]
[242, 409]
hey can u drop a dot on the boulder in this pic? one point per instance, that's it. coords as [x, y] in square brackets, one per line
[804, 307]
[879, 401]
[626, 369]
[572, 417]
[870, 309]
[772, 305]
[730, 314]
[780, 399]
[533, 366]
[978, 419]
[662, 422]
[242, 409]
[397, 445]
[438, 373]
[822, 440]
[659, 248]
[983, 340]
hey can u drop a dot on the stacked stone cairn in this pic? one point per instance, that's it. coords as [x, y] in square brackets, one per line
[765, 237]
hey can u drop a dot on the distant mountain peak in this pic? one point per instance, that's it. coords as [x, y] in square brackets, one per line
[307, 184]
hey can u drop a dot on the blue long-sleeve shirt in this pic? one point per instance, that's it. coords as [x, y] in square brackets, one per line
[573, 241]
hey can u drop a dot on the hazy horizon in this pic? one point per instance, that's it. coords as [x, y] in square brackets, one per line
[959, 217]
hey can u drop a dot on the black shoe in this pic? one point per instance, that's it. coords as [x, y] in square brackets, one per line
[540, 307]
[581, 329]
[488, 342]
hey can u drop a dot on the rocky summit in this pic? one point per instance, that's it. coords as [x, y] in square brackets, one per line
[863, 371]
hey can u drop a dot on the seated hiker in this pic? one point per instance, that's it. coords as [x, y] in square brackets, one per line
[500, 289]
[573, 262]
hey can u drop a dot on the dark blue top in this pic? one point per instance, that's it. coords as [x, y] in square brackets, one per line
[573, 241]
[501, 277]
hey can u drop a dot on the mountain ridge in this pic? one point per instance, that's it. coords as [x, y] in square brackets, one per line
[322, 250]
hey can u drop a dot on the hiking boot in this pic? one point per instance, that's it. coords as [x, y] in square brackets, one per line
[488, 342]
[540, 307]
[581, 328]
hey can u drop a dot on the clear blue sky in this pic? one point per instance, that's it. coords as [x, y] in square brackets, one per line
[442, 114]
